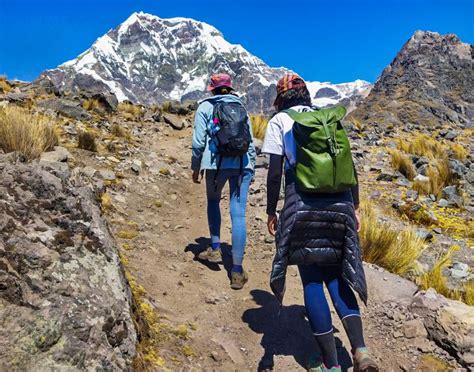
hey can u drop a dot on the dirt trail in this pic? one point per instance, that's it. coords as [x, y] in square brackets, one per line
[234, 330]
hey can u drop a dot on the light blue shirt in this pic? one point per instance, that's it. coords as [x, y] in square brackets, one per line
[203, 153]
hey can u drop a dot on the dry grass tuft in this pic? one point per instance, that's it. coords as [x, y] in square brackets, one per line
[4, 86]
[422, 145]
[91, 104]
[86, 141]
[439, 175]
[28, 134]
[402, 163]
[435, 277]
[459, 151]
[134, 111]
[395, 250]
[259, 126]
[119, 131]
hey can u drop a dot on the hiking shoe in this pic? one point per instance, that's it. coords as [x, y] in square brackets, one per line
[314, 363]
[238, 280]
[211, 255]
[363, 362]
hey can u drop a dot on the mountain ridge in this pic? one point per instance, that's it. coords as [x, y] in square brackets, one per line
[147, 59]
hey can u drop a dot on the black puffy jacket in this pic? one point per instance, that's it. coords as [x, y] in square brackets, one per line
[317, 229]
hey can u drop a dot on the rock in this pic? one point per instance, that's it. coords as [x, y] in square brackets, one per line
[459, 270]
[449, 134]
[65, 107]
[470, 176]
[443, 203]
[386, 175]
[59, 154]
[449, 323]
[70, 129]
[450, 194]
[65, 303]
[414, 328]
[16, 97]
[424, 234]
[421, 178]
[89, 171]
[412, 194]
[137, 166]
[107, 100]
[174, 121]
[107, 174]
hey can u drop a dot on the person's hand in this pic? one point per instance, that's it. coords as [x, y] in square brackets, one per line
[357, 215]
[272, 224]
[197, 176]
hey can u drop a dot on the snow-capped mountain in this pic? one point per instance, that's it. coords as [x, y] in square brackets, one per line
[149, 60]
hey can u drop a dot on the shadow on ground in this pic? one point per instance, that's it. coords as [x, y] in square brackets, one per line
[201, 244]
[284, 331]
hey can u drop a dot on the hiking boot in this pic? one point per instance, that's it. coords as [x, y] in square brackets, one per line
[238, 280]
[363, 362]
[314, 363]
[211, 255]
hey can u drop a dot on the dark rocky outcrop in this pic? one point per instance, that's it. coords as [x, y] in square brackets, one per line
[429, 83]
[64, 301]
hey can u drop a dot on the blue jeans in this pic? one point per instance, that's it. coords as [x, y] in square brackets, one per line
[317, 309]
[238, 206]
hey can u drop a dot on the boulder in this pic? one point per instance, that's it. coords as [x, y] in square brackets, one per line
[107, 100]
[64, 299]
[59, 154]
[71, 109]
[174, 121]
[449, 323]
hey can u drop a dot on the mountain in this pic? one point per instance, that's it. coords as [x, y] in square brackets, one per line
[429, 83]
[150, 60]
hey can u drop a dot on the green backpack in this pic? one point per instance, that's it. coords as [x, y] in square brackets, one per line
[323, 152]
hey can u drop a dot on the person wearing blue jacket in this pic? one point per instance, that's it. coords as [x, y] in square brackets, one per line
[237, 171]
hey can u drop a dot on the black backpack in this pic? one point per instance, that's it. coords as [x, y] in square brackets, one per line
[232, 132]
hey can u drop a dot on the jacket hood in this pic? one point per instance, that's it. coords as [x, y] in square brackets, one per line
[222, 98]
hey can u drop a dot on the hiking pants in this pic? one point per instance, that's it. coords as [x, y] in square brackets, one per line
[317, 309]
[238, 206]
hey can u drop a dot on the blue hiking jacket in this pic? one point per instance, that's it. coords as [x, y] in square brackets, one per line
[204, 154]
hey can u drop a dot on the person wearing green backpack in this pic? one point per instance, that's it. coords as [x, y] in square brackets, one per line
[317, 227]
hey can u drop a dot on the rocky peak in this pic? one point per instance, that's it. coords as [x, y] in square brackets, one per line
[428, 83]
[149, 60]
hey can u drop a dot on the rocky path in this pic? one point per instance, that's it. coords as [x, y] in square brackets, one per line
[237, 330]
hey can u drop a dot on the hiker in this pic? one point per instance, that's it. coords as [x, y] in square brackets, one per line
[223, 148]
[318, 225]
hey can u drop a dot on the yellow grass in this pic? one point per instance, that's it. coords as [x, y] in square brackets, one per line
[422, 145]
[4, 86]
[86, 141]
[402, 163]
[435, 277]
[259, 126]
[119, 131]
[394, 249]
[439, 176]
[133, 110]
[28, 134]
[469, 293]
[91, 104]
[459, 151]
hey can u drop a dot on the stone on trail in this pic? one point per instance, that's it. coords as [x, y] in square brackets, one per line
[174, 121]
[59, 154]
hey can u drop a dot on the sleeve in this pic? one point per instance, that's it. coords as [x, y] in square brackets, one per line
[355, 190]
[273, 142]
[199, 138]
[275, 171]
[252, 152]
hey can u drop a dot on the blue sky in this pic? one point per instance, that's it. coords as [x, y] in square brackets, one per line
[326, 40]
